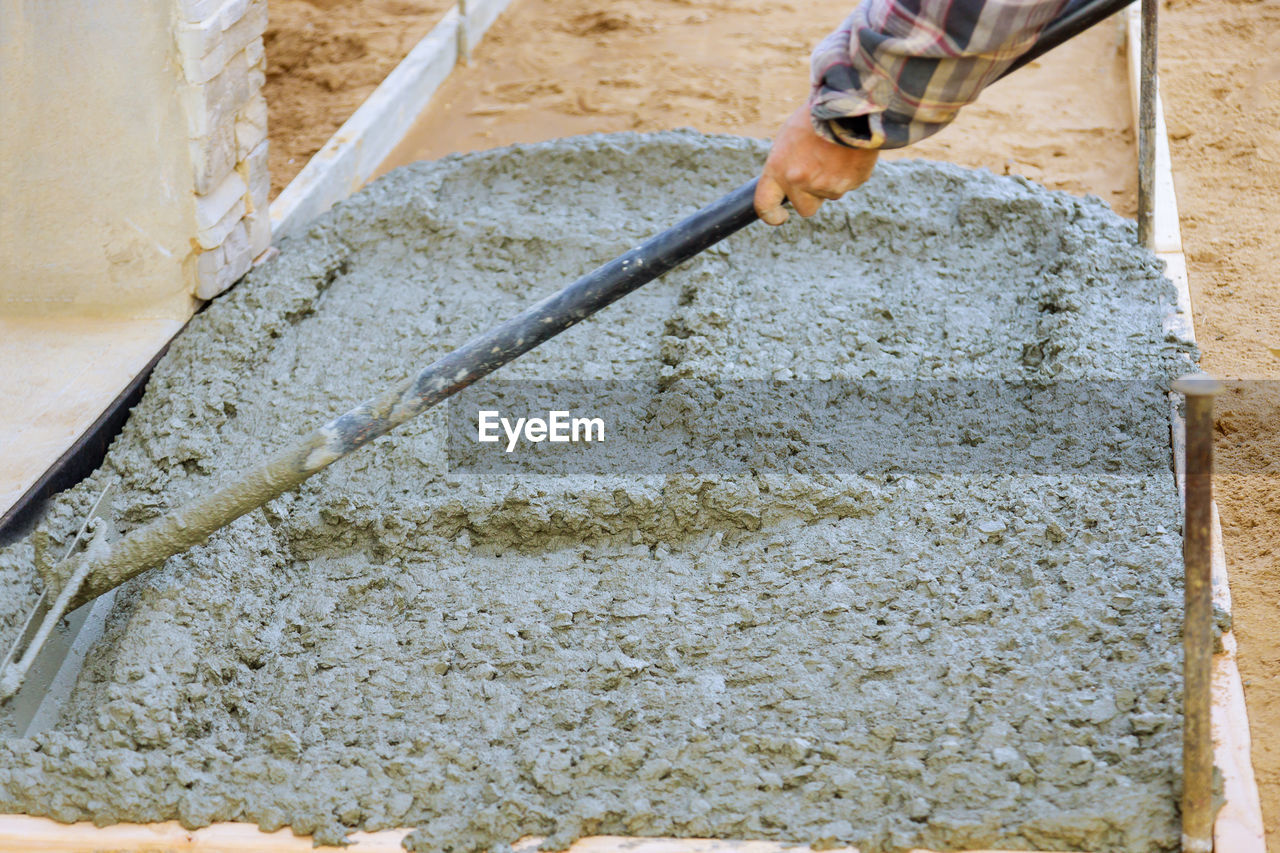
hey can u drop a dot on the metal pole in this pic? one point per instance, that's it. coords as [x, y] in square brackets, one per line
[1197, 627]
[464, 37]
[1147, 126]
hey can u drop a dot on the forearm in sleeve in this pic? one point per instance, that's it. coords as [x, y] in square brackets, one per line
[897, 71]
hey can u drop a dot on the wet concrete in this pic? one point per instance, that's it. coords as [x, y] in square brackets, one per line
[809, 649]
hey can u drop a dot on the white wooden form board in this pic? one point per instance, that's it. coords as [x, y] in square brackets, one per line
[39, 835]
[1238, 828]
[351, 155]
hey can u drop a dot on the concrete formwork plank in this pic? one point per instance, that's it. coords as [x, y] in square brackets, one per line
[350, 156]
[480, 16]
[21, 834]
[1238, 827]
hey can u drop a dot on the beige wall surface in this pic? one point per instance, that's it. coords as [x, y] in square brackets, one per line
[96, 212]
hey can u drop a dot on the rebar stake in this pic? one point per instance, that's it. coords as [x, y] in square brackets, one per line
[1147, 126]
[464, 37]
[1197, 626]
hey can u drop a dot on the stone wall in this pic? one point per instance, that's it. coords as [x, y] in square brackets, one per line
[96, 211]
[133, 154]
[219, 44]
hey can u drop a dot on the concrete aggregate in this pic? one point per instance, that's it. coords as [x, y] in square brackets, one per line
[807, 648]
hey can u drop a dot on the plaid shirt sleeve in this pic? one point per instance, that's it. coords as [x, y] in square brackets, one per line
[897, 71]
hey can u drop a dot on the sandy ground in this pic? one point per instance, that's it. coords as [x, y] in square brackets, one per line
[553, 68]
[1220, 62]
[324, 57]
[559, 67]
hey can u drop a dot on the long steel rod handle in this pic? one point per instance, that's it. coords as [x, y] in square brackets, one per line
[192, 523]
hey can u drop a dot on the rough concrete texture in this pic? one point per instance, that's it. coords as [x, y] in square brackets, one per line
[800, 651]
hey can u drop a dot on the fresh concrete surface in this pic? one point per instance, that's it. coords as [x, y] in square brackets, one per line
[951, 660]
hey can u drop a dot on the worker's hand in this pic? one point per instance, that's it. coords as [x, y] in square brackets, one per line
[807, 169]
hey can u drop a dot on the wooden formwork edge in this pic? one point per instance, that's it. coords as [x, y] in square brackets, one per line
[355, 151]
[20, 834]
[1238, 827]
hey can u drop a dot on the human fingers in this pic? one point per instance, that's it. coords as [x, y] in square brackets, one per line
[769, 199]
[831, 179]
[805, 203]
[825, 193]
[848, 170]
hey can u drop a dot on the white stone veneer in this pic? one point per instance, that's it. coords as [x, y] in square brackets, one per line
[219, 44]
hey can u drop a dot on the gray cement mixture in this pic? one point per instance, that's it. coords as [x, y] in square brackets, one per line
[801, 651]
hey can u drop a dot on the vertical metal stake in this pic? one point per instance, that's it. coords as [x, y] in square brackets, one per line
[1147, 126]
[464, 38]
[1197, 627]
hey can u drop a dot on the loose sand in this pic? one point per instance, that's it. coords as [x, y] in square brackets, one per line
[551, 68]
[1220, 63]
[805, 646]
[324, 57]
